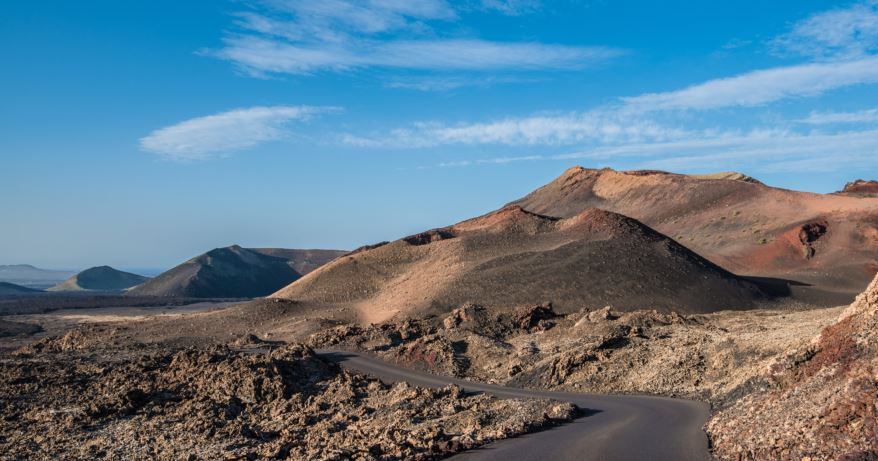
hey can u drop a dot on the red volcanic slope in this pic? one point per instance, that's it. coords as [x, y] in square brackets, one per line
[745, 226]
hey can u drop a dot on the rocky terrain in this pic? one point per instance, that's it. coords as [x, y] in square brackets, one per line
[747, 227]
[511, 257]
[78, 396]
[748, 364]
[235, 272]
[821, 402]
[777, 393]
[861, 187]
[716, 357]
[101, 278]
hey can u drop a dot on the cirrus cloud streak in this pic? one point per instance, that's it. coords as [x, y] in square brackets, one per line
[259, 56]
[220, 134]
[763, 86]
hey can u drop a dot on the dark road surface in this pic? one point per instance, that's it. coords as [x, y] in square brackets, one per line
[617, 427]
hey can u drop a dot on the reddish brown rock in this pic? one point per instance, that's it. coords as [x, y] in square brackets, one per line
[861, 187]
[823, 403]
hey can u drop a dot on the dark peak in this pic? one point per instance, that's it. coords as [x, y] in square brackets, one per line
[100, 269]
[232, 249]
[235, 248]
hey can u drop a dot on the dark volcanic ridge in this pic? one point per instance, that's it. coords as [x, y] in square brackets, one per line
[513, 257]
[7, 289]
[100, 278]
[235, 272]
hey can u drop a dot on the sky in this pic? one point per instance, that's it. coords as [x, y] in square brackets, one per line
[140, 134]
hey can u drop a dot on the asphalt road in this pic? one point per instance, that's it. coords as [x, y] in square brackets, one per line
[616, 427]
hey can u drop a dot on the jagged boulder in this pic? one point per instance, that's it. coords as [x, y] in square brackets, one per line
[531, 318]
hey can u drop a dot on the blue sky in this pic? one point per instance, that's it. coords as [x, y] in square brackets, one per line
[138, 134]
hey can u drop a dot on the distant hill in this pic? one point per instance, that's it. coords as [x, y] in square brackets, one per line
[235, 272]
[101, 278]
[512, 257]
[303, 261]
[30, 276]
[830, 240]
[7, 289]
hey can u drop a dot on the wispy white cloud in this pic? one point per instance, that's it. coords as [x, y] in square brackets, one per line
[213, 135]
[768, 150]
[825, 118]
[491, 161]
[781, 153]
[261, 56]
[453, 82]
[763, 86]
[303, 37]
[512, 7]
[839, 33]
[736, 43]
[336, 20]
[553, 129]
[630, 119]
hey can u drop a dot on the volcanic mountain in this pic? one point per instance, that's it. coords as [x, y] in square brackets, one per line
[101, 278]
[8, 289]
[235, 272]
[513, 257]
[741, 224]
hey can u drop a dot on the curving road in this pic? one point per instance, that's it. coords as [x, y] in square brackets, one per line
[617, 427]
